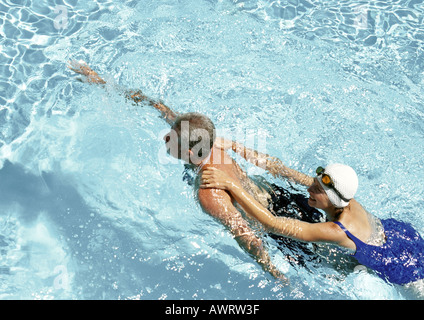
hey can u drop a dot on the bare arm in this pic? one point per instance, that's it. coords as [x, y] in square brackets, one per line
[292, 228]
[271, 164]
[137, 96]
[218, 204]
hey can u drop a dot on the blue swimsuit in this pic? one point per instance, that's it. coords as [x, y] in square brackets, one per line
[400, 259]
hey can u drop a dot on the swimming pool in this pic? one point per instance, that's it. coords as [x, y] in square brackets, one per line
[88, 211]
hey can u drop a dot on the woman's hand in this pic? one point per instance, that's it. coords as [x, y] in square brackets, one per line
[82, 68]
[215, 178]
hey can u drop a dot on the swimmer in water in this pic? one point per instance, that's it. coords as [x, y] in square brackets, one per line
[217, 202]
[393, 249]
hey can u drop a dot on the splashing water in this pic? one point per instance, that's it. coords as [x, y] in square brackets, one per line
[88, 211]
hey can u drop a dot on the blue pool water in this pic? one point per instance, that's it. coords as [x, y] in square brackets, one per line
[89, 206]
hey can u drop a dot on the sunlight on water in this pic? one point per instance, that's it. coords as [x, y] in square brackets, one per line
[88, 211]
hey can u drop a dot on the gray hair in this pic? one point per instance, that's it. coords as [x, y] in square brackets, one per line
[196, 132]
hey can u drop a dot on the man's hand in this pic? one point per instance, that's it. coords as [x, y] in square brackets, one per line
[82, 68]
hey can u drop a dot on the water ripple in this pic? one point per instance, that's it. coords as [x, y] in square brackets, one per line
[332, 74]
[392, 30]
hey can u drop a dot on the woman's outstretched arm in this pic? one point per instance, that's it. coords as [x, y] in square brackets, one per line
[271, 164]
[291, 228]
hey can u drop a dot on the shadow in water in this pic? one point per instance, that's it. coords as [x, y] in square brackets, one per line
[101, 250]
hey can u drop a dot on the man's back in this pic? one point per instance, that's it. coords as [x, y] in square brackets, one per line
[220, 205]
[215, 198]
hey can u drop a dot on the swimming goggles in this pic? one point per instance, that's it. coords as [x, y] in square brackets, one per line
[328, 182]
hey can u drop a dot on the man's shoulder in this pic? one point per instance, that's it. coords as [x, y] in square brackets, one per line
[214, 201]
[213, 195]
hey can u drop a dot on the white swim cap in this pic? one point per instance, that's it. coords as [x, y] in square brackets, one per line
[345, 182]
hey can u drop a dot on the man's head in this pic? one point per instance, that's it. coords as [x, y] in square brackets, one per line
[191, 137]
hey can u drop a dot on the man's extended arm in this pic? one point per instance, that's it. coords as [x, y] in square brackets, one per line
[137, 96]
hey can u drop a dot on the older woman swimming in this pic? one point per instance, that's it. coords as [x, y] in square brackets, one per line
[392, 248]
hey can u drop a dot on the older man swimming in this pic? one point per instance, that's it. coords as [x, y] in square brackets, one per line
[191, 139]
